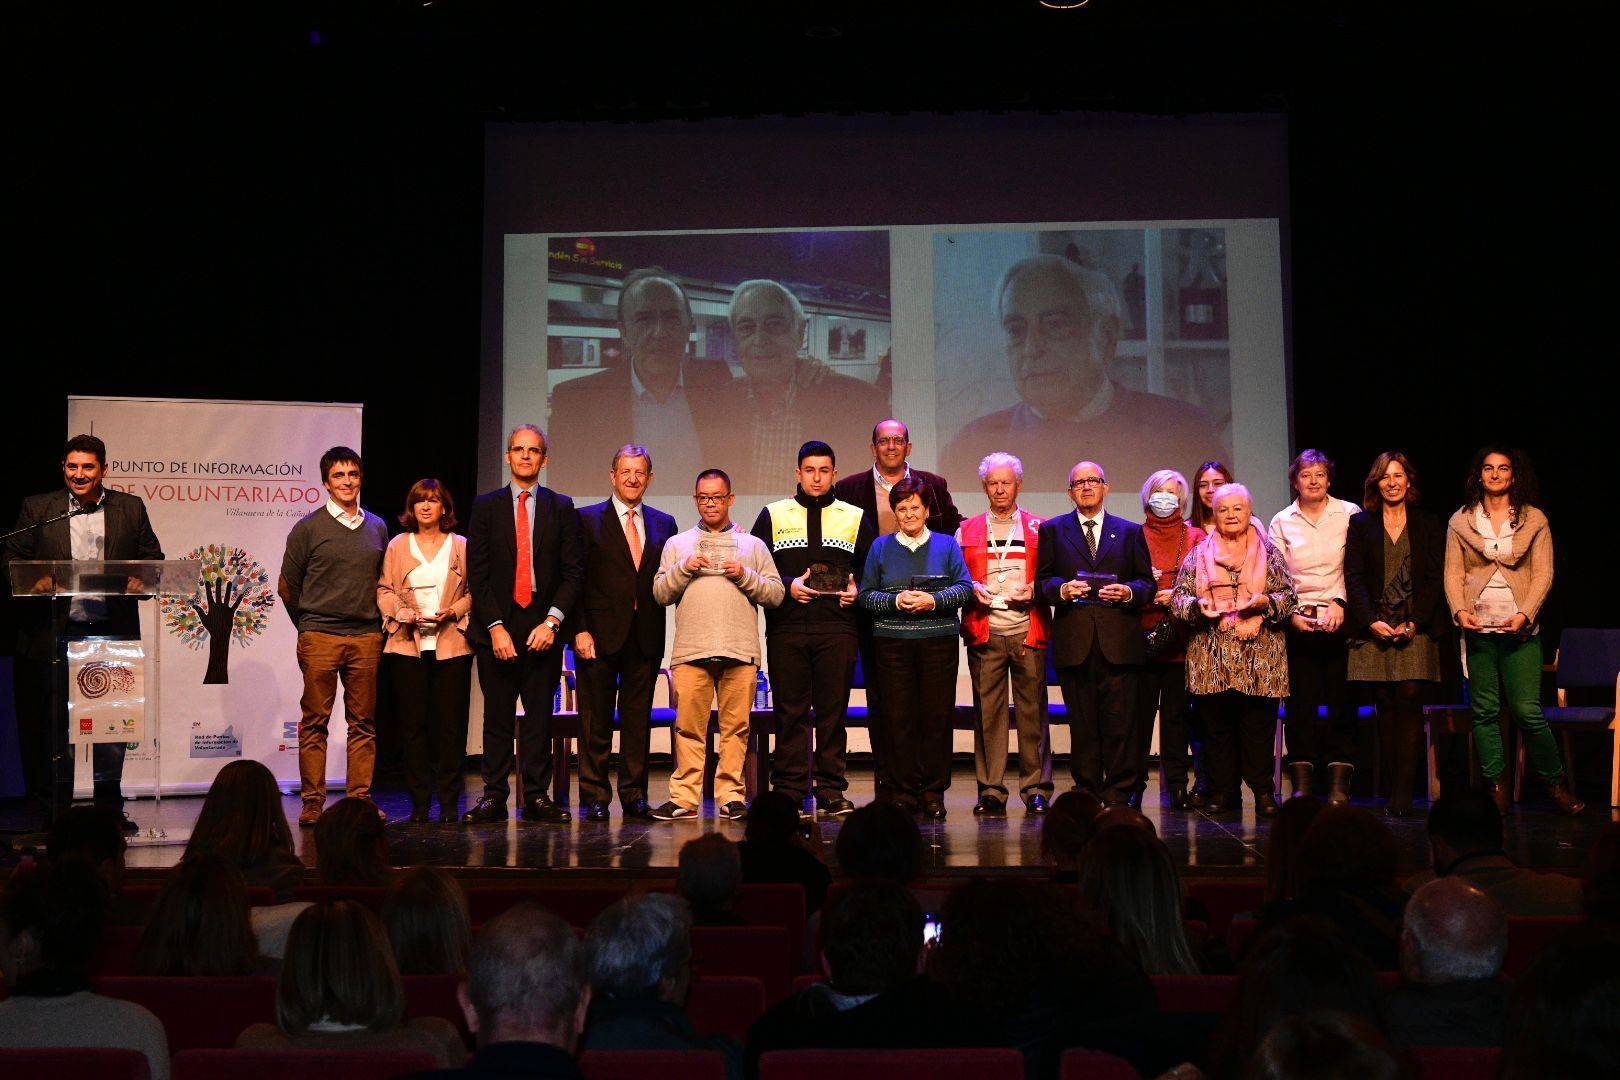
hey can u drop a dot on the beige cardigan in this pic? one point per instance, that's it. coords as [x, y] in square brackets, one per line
[1528, 572]
[392, 592]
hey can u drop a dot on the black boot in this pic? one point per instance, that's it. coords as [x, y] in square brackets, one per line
[1339, 776]
[1299, 777]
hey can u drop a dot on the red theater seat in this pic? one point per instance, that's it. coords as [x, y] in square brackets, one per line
[642, 1064]
[281, 1064]
[892, 1065]
[117, 953]
[199, 1014]
[55, 1064]
[757, 951]
[725, 1005]
[435, 995]
[1224, 899]
[576, 905]
[1195, 993]
[370, 895]
[1529, 934]
[1456, 1062]
[1095, 1065]
[802, 982]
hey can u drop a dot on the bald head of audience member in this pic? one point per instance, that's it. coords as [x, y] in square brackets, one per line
[1452, 932]
[1461, 825]
[526, 980]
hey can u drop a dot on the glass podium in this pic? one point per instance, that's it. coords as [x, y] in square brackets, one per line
[103, 689]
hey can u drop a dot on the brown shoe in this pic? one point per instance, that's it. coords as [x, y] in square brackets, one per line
[1501, 794]
[1565, 800]
[310, 814]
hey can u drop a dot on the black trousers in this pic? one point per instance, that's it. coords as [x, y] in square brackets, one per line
[1101, 702]
[918, 676]
[1238, 730]
[625, 677]
[37, 742]
[810, 671]
[1162, 688]
[432, 697]
[1317, 666]
[1400, 736]
[533, 676]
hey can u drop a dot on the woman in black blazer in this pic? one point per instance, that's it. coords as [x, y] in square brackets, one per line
[1394, 557]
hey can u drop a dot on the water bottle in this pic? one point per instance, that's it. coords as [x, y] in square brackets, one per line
[762, 692]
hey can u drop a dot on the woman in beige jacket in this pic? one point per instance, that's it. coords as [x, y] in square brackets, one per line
[425, 604]
[1499, 567]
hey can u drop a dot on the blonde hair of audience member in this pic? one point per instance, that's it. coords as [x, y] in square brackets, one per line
[1128, 879]
[200, 925]
[425, 915]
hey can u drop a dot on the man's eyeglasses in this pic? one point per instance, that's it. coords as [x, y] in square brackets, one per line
[1087, 481]
[710, 498]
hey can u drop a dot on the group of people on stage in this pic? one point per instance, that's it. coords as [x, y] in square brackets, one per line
[1201, 617]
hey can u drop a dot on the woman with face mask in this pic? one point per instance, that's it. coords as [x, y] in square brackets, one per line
[1163, 682]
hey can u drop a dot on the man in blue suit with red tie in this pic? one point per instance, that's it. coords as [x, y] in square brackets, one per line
[1096, 573]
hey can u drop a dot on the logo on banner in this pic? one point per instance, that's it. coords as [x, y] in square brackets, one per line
[233, 601]
[106, 691]
[97, 680]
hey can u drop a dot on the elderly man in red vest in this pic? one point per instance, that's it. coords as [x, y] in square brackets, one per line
[1006, 630]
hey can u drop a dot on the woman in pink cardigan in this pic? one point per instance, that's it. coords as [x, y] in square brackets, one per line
[425, 604]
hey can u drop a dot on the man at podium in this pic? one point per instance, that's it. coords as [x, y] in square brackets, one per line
[102, 525]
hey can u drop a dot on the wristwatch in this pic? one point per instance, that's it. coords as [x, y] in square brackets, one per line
[553, 622]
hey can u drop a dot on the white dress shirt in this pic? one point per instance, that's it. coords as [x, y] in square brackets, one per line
[347, 520]
[1314, 550]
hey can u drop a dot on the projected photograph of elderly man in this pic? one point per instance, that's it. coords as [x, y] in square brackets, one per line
[714, 351]
[1110, 343]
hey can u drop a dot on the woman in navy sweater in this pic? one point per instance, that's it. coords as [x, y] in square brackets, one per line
[914, 583]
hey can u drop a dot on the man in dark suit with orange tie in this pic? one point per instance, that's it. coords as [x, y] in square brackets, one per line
[618, 634]
[1095, 571]
[525, 567]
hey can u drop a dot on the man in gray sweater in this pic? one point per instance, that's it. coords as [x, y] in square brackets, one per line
[329, 584]
[719, 575]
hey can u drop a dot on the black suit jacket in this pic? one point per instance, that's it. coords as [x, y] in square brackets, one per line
[1115, 628]
[559, 562]
[1364, 571]
[129, 536]
[617, 597]
[943, 516]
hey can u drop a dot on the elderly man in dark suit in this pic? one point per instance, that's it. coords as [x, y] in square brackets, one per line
[104, 524]
[525, 567]
[1095, 571]
[618, 634]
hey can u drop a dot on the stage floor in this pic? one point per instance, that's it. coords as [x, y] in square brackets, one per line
[962, 844]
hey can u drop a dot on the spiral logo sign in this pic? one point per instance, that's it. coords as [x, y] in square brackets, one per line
[98, 680]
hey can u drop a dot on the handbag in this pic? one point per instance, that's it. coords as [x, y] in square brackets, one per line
[1169, 634]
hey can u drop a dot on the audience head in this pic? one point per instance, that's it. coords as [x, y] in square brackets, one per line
[94, 834]
[1600, 880]
[1563, 1017]
[241, 817]
[1467, 823]
[526, 980]
[200, 925]
[880, 840]
[1288, 830]
[338, 968]
[1128, 880]
[1070, 823]
[871, 937]
[1121, 815]
[773, 819]
[1327, 1046]
[425, 915]
[1345, 847]
[1452, 931]
[1003, 941]
[51, 916]
[710, 873]
[641, 947]
[351, 845]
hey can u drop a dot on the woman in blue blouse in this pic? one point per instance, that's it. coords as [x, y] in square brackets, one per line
[914, 584]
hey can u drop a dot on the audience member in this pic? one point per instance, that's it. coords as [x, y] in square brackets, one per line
[1328, 1046]
[880, 840]
[638, 959]
[1453, 942]
[1563, 1015]
[1346, 875]
[1465, 840]
[242, 820]
[525, 996]
[340, 990]
[200, 925]
[1282, 848]
[1600, 880]
[1069, 826]
[1128, 816]
[710, 879]
[96, 835]
[1128, 882]
[351, 845]
[772, 850]
[425, 915]
[50, 926]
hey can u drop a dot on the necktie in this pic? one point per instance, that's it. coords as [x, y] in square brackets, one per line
[523, 584]
[633, 535]
[1091, 539]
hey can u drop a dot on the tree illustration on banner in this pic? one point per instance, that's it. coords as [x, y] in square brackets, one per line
[233, 600]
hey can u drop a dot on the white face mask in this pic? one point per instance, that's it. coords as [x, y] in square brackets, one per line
[1164, 504]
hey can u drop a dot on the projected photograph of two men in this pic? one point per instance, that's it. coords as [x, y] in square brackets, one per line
[731, 349]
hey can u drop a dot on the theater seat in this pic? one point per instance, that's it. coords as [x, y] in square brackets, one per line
[59, 1063]
[1529, 934]
[1095, 1065]
[999, 1064]
[1226, 899]
[117, 953]
[1195, 993]
[725, 1005]
[281, 1064]
[760, 952]
[198, 1014]
[642, 1064]
[576, 905]
[1456, 1062]
[370, 895]
[435, 995]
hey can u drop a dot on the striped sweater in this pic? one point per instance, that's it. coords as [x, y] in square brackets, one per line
[890, 567]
